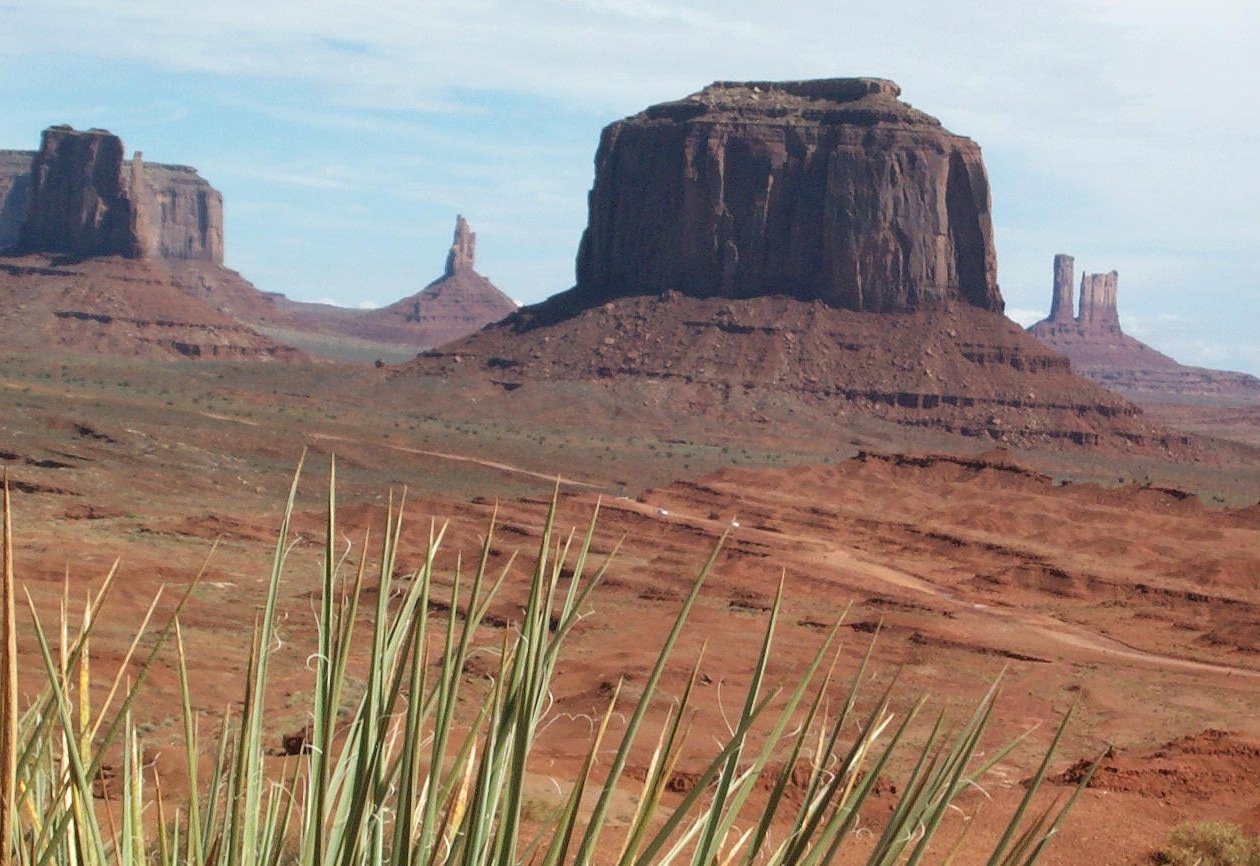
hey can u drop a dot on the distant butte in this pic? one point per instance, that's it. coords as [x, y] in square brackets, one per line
[1092, 339]
[108, 255]
[785, 253]
[78, 195]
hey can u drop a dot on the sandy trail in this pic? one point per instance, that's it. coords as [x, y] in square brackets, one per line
[488, 464]
[1021, 630]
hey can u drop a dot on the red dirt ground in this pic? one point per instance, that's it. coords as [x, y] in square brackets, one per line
[1137, 604]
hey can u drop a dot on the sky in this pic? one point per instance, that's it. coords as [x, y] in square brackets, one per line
[345, 137]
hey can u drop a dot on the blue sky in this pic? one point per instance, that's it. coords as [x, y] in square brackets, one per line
[345, 136]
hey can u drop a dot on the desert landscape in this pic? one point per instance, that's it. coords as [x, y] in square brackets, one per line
[785, 350]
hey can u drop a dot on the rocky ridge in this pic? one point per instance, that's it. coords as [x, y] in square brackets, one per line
[775, 360]
[118, 306]
[1092, 338]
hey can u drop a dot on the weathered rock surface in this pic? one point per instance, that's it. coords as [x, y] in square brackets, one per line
[77, 195]
[829, 190]
[781, 360]
[187, 214]
[1062, 306]
[82, 202]
[1098, 348]
[15, 193]
[463, 252]
[104, 254]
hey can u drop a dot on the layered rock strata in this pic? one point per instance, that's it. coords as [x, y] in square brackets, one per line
[117, 306]
[830, 190]
[77, 195]
[1098, 348]
[784, 362]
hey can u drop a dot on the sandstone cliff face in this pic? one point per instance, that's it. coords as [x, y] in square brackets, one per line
[187, 214]
[81, 201]
[91, 201]
[15, 193]
[827, 190]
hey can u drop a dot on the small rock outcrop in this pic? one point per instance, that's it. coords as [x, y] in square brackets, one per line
[78, 196]
[831, 190]
[1093, 340]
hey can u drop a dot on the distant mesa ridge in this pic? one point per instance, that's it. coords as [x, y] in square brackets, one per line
[78, 196]
[1091, 337]
[108, 255]
[830, 190]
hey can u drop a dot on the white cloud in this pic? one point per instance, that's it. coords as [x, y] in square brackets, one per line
[1025, 317]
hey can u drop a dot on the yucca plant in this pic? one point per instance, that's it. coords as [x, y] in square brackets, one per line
[426, 771]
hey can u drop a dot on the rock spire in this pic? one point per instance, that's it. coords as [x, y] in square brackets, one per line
[831, 190]
[1098, 301]
[1063, 304]
[463, 254]
[1097, 311]
[1100, 350]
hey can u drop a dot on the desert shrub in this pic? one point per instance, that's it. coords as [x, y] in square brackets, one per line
[412, 764]
[1209, 843]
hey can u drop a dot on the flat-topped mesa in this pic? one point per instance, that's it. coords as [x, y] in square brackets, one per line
[463, 253]
[830, 190]
[78, 196]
